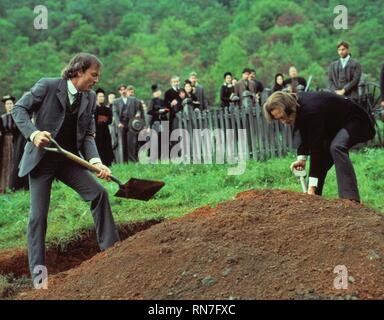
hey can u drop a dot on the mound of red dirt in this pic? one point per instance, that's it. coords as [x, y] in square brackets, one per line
[269, 244]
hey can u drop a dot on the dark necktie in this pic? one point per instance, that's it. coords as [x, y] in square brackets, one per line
[76, 103]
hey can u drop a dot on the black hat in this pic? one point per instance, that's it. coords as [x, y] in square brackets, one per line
[227, 74]
[247, 70]
[136, 124]
[8, 97]
[100, 90]
[155, 87]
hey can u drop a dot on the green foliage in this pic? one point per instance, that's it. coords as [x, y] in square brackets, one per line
[147, 41]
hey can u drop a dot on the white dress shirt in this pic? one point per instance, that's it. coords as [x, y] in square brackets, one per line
[345, 61]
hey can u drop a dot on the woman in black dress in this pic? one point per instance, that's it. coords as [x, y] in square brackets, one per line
[103, 118]
[11, 150]
[159, 114]
[279, 82]
[227, 90]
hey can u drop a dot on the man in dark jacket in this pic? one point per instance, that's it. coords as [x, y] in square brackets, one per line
[125, 109]
[63, 109]
[328, 125]
[295, 82]
[248, 83]
[344, 74]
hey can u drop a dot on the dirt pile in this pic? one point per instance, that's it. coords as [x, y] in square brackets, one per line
[268, 244]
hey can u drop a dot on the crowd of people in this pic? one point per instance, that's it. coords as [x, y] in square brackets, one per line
[120, 119]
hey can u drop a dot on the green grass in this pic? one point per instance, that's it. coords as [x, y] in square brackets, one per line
[187, 187]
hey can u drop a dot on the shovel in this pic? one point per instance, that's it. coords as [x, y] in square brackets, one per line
[134, 189]
[301, 174]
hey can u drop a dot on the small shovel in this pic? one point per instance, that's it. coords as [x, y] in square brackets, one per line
[134, 189]
[301, 174]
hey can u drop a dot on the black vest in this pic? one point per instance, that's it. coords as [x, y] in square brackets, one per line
[66, 137]
[342, 79]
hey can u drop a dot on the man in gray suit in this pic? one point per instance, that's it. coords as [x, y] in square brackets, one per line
[124, 110]
[344, 74]
[199, 91]
[62, 108]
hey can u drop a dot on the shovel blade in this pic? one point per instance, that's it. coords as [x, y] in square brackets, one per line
[139, 189]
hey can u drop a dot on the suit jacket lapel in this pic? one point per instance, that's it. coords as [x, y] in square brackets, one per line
[84, 103]
[62, 95]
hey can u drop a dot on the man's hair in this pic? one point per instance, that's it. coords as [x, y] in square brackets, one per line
[343, 43]
[282, 99]
[175, 78]
[193, 73]
[80, 62]
[121, 86]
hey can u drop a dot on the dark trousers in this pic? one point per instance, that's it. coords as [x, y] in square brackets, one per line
[85, 184]
[338, 154]
[128, 145]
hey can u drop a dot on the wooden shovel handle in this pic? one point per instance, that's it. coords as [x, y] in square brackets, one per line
[81, 162]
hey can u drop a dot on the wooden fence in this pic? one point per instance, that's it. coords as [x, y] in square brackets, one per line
[241, 132]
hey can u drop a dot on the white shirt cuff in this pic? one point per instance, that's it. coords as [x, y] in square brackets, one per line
[301, 157]
[312, 182]
[95, 160]
[33, 135]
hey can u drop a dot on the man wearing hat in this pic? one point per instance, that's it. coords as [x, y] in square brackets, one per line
[128, 113]
[245, 84]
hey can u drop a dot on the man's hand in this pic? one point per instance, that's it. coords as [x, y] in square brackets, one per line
[382, 104]
[174, 102]
[42, 139]
[105, 172]
[340, 92]
[298, 165]
[311, 190]
[120, 126]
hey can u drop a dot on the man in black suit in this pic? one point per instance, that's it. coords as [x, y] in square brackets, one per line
[328, 125]
[63, 108]
[345, 73]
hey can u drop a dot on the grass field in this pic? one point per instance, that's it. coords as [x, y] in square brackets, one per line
[187, 187]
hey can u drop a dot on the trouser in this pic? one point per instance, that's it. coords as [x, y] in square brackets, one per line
[129, 145]
[337, 154]
[85, 184]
